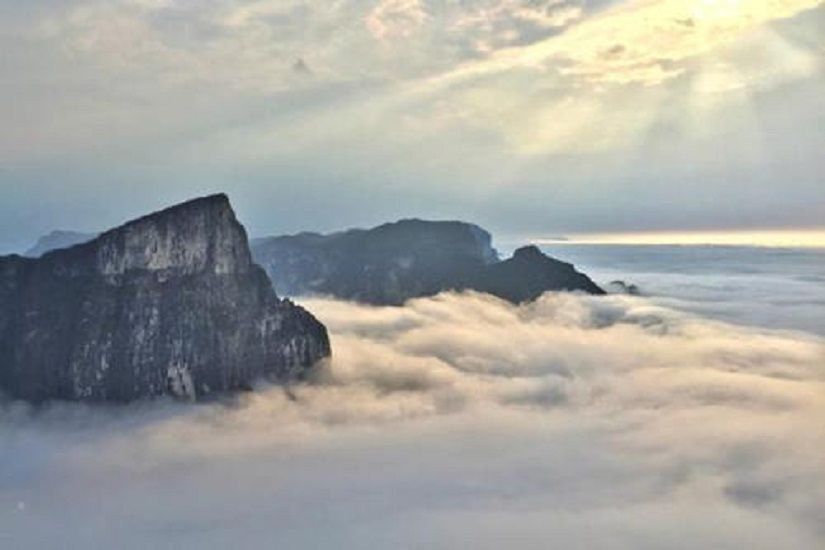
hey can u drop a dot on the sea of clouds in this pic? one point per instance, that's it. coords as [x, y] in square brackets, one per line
[453, 422]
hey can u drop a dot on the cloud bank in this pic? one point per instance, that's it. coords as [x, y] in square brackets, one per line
[455, 421]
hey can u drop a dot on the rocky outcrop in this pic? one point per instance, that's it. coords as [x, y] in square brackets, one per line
[384, 265]
[529, 274]
[57, 240]
[411, 258]
[169, 304]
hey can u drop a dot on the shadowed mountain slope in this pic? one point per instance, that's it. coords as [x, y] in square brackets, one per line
[394, 262]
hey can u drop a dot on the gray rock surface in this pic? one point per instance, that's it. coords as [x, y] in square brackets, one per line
[169, 304]
[394, 262]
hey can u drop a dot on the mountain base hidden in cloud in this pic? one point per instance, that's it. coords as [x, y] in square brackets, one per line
[169, 304]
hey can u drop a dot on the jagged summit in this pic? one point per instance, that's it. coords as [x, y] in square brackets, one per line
[169, 303]
[530, 251]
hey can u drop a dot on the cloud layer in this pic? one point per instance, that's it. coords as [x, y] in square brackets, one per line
[454, 421]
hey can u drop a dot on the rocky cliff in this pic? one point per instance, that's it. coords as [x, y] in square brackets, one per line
[394, 262]
[167, 304]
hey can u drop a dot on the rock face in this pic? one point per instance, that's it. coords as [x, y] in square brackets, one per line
[169, 304]
[56, 240]
[529, 274]
[384, 265]
[394, 262]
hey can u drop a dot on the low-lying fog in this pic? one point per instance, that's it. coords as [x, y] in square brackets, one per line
[457, 421]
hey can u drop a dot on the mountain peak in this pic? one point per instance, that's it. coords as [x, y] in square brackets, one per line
[198, 235]
[529, 251]
[167, 304]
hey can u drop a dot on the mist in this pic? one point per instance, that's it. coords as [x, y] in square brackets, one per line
[454, 421]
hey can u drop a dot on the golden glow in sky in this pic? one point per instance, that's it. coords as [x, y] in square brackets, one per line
[710, 9]
[543, 116]
[790, 238]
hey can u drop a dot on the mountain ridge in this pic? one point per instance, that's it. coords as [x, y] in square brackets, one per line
[412, 257]
[396, 261]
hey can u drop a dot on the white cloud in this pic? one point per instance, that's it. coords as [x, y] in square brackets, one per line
[538, 77]
[392, 19]
[456, 420]
[646, 41]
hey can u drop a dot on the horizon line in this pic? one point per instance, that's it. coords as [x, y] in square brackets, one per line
[765, 238]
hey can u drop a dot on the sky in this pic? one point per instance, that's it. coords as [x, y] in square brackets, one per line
[534, 118]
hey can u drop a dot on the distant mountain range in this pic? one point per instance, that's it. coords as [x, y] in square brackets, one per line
[394, 262]
[391, 263]
[56, 240]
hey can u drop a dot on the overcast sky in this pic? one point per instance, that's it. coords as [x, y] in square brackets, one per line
[537, 117]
